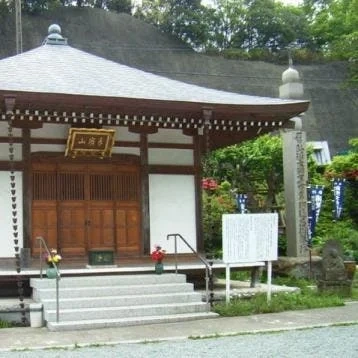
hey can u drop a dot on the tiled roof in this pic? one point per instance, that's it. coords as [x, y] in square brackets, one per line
[62, 69]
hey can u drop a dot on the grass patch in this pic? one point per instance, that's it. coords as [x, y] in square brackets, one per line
[307, 298]
[5, 324]
[279, 302]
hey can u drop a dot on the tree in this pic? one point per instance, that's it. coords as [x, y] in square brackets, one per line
[346, 166]
[254, 167]
[182, 18]
[37, 6]
[274, 26]
[216, 201]
[227, 27]
[124, 6]
[333, 25]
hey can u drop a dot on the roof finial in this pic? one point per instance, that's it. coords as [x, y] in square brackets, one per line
[54, 36]
[290, 62]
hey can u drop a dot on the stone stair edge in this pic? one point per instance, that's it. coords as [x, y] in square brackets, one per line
[98, 298]
[128, 321]
[108, 313]
[122, 308]
[120, 301]
[114, 276]
[69, 288]
[107, 281]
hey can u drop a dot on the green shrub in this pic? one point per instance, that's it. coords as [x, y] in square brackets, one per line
[236, 54]
[5, 324]
[280, 302]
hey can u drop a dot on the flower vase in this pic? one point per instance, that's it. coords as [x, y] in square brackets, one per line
[51, 272]
[159, 268]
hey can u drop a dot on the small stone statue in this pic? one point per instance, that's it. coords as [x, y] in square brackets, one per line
[334, 276]
[333, 266]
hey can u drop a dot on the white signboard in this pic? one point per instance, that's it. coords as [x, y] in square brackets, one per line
[249, 237]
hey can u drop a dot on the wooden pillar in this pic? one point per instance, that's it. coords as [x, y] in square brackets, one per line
[198, 140]
[26, 188]
[145, 229]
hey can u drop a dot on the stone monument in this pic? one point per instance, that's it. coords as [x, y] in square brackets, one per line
[334, 277]
[295, 171]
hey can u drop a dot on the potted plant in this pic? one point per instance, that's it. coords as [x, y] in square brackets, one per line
[158, 256]
[52, 260]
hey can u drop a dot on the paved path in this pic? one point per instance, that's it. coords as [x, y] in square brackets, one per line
[38, 338]
[326, 342]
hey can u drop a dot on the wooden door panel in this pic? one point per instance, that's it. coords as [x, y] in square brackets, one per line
[100, 225]
[127, 231]
[72, 228]
[83, 206]
[44, 224]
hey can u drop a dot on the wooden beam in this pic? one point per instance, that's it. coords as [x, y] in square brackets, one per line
[5, 165]
[197, 183]
[27, 188]
[145, 219]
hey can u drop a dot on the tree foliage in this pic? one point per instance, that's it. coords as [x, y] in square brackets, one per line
[246, 29]
[182, 18]
[255, 168]
[346, 166]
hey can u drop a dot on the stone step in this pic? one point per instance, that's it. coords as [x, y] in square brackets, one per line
[128, 321]
[108, 280]
[82, 314]
[118, 301]
[103, 291]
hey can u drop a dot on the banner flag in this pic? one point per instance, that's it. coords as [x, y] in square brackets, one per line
[338, 191]
[241, 200]
[314, 195]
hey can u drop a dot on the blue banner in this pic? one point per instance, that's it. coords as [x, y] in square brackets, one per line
[241, 200]
[338, 191]
[314, 196]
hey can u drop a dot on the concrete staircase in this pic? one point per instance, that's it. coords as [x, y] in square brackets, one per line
[89, 302]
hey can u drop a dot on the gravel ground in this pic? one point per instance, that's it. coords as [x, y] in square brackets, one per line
[336, 341]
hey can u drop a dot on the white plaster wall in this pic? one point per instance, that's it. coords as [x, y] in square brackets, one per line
[172, 210]
[126, 150]
[170, 136]
[4, 151]
[6, 237]
[47, 148]
[4, 130]
[122, 133]
[170, 156]
[51, 131]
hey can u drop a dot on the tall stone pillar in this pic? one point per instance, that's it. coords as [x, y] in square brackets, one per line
[295, 184]
[295, 171]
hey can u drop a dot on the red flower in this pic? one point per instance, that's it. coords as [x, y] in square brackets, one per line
[158, 254]
[209, 184]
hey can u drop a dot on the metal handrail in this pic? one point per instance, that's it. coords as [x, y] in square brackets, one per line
[208, 266]
[58, 275]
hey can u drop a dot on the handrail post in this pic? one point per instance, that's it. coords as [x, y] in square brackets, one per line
[40, 257]
[58, 276]
[211, 284]
[176, 254]
[57, 299]
[208, 268]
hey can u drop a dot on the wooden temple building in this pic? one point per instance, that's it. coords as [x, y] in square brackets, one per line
[96, 155]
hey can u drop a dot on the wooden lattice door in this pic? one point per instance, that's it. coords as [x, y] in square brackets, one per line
[79, 207]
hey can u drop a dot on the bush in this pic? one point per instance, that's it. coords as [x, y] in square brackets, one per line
[5, 324]
[279, 302]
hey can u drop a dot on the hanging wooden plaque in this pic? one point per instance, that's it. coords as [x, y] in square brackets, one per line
[90, 142]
